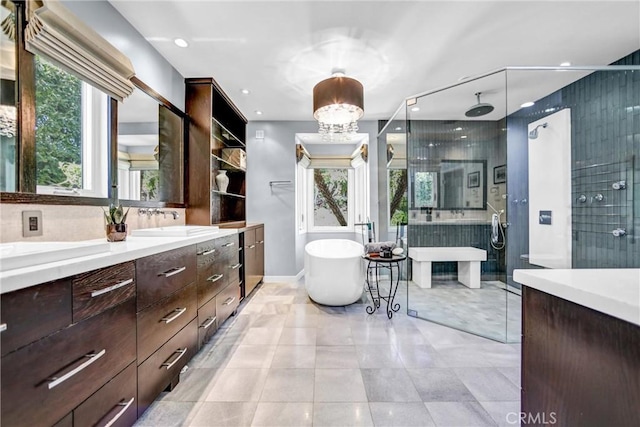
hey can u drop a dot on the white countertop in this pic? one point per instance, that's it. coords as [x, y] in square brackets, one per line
[132, 248]
[615, 292]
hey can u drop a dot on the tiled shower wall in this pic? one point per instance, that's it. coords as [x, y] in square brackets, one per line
[430, 142]
[605, 135]
[605, 148]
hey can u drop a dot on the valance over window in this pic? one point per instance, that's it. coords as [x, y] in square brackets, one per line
[60, 36]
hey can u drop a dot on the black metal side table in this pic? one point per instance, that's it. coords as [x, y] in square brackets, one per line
[375, 263]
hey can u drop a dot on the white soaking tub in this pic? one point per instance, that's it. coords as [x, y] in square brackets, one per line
[334, 271]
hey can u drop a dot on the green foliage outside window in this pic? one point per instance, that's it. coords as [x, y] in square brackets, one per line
[58, 126]
[398, 206]
[330, 206]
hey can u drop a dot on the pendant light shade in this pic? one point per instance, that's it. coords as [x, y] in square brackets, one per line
[338, 103]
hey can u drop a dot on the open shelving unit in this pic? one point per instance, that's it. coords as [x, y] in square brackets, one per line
[215, 125]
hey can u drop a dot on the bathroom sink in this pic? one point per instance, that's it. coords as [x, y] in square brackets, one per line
[25, 254]
[174, 231]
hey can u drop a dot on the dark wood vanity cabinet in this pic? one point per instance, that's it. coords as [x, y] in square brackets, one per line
[166, 320]
[45, 380]
[253, 257]
[218, 284]
[98, 348]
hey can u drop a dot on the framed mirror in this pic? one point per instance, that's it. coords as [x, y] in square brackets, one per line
[8, 110]
[462, 184]
[150, 149]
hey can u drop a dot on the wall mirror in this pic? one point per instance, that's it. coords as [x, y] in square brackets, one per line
[462, 184]
[150, 150]
[8, 111]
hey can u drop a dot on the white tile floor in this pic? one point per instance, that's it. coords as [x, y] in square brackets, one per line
[285, 361]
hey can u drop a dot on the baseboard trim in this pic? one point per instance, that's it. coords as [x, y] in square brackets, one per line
[283, 279]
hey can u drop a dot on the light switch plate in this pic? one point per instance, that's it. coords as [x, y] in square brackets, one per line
[31, 223]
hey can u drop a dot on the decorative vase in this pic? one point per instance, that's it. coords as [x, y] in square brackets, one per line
[116, 232]
[222, 181]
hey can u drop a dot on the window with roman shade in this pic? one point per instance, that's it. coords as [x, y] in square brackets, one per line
[60, 36]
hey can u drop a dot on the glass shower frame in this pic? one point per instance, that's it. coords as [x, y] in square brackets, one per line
[440, 119]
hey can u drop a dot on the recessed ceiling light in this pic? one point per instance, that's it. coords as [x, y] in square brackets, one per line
[398, 128]
[181, 42]
[566, 64]
[245, 91]
[431, 144]
[527, 104]
[258, 112]
[458, 128]
[463, 137]
[550, 110]
[415, 109]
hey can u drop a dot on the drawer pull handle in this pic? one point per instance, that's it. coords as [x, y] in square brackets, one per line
[3, 327]
[233, 267]
[226, 245]
[215, 278]
[56, 381]
[252, 246]
[180, 353]
[177, 313]
[261, 241]
[125, 406]
[173, 271]
[209, 252]
[209, 323]
[110, 288]
[229, 300]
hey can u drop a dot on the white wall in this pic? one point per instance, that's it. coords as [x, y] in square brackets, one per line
[550, 245]
[273, 159]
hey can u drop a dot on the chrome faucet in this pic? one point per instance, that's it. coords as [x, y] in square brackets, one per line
[149, 212]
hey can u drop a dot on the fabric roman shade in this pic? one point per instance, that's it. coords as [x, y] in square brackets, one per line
[60, 36]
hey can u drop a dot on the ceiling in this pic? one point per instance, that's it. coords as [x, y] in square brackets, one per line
[279, 50]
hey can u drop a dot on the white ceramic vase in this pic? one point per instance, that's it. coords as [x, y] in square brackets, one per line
[222, 181]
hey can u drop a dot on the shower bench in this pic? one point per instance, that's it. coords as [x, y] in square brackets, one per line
[468, 259]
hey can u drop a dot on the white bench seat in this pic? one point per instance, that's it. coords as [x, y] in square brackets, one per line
[468, 259]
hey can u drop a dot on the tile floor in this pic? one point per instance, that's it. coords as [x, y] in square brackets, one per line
[285, 361]
[489, 311]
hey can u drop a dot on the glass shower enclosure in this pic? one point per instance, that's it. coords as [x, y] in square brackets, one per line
[520, 168]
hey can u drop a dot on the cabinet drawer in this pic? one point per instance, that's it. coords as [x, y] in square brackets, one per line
[162, 274]
[160, 322]
[207, 322]
[163, 367]
[233, 267]
[215, 279]
[32, 313]
[227, 301]
[44, 381]
[115, 404]
[228, 244]
[96, 291]
[206, 254]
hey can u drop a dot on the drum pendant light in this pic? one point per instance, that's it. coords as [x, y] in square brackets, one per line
[338, 103]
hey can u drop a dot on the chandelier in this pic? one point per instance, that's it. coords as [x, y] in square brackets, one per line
[338, 103]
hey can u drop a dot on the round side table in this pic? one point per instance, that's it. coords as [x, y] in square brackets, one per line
[375, 263]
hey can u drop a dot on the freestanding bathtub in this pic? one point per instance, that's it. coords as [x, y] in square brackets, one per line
[334, 271]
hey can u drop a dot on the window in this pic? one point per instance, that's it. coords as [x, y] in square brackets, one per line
[425, 184]
[397, 180]
[71, 134]
[331, 197]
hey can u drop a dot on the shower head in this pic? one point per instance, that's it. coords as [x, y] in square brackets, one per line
[534, 133]
[480, 109]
